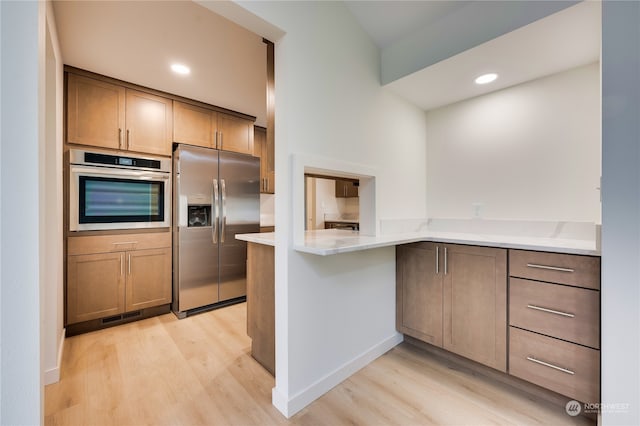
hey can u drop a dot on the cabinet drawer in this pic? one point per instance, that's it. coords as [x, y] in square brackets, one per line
[115, 243]
[563, 367]
[580, 271]
[568, 313]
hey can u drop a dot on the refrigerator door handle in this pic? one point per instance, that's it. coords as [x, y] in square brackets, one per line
[214, 208]
[223, 213]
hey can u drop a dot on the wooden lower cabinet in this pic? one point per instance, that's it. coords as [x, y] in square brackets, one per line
[110, 275]
[95, 286]
[419, 292]
[475, 304]
[148, 278]
[261, 304]
[569, 369]
[554, 318]
[455, 297]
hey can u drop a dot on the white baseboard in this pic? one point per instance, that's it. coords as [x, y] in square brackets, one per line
[291, 406]
[53, 374]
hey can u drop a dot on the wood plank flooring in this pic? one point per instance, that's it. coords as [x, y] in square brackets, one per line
[199, 371]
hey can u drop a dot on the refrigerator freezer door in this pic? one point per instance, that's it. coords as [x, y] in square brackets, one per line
[239, 214]
[196, 254]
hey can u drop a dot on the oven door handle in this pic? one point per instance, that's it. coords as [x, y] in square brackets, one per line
[106, 172]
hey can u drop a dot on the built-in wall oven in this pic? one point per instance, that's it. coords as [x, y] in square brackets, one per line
[109, 191]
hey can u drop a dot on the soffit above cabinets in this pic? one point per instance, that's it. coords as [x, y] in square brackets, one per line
[558, 42]
[137, 41]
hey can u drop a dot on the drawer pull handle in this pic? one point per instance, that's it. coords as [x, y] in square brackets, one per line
[125, 243]
[550, 268]
[546, 364]
[551, 311]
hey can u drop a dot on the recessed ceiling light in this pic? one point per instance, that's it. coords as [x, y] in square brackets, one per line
[486, 78]
[180, 69]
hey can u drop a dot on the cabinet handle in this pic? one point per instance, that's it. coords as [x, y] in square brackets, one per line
[551, 311]
[125, 243]
[121, 265]
[546, 364]
[119, 137]
[550, 268]
[437, 260]
[221, 141]
[215, 140]
[128, 138]
[129, 262]
[446, 255]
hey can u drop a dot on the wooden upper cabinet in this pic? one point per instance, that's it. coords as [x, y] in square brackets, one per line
[194, 125]
[149, 123]
[475, 304]
[95, 112]
[107, 115]
[264, 150]
[235, 134]
[346, 189]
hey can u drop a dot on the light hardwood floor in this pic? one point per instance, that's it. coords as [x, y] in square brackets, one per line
[198, 371]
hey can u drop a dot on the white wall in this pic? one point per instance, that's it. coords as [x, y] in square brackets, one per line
[621, 212]
[529, 152]
[329, 103]
[21, 369]
[52, 271]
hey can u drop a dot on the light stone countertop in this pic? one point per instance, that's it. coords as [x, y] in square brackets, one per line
[334, 241]
[265, 238]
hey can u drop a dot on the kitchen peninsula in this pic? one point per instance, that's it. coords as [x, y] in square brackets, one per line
[558, 237]
[444, 267]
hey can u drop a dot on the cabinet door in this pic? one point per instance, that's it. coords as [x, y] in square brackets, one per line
[346, 189]
[149, 123]
[95, 112]
[235, 134]
[475, 304]
[193, 125]
[268, 151]
[261, 149]
[419, 292]
[148, 278]
[95, 286]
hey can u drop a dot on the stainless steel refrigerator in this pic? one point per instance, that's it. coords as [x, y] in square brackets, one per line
[216, 196]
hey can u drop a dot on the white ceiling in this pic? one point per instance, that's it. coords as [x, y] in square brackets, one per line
[135, 40]
[389, 21]
[564, 40]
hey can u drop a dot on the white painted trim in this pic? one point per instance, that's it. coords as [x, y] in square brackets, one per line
[325, 384]
[53, 374]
